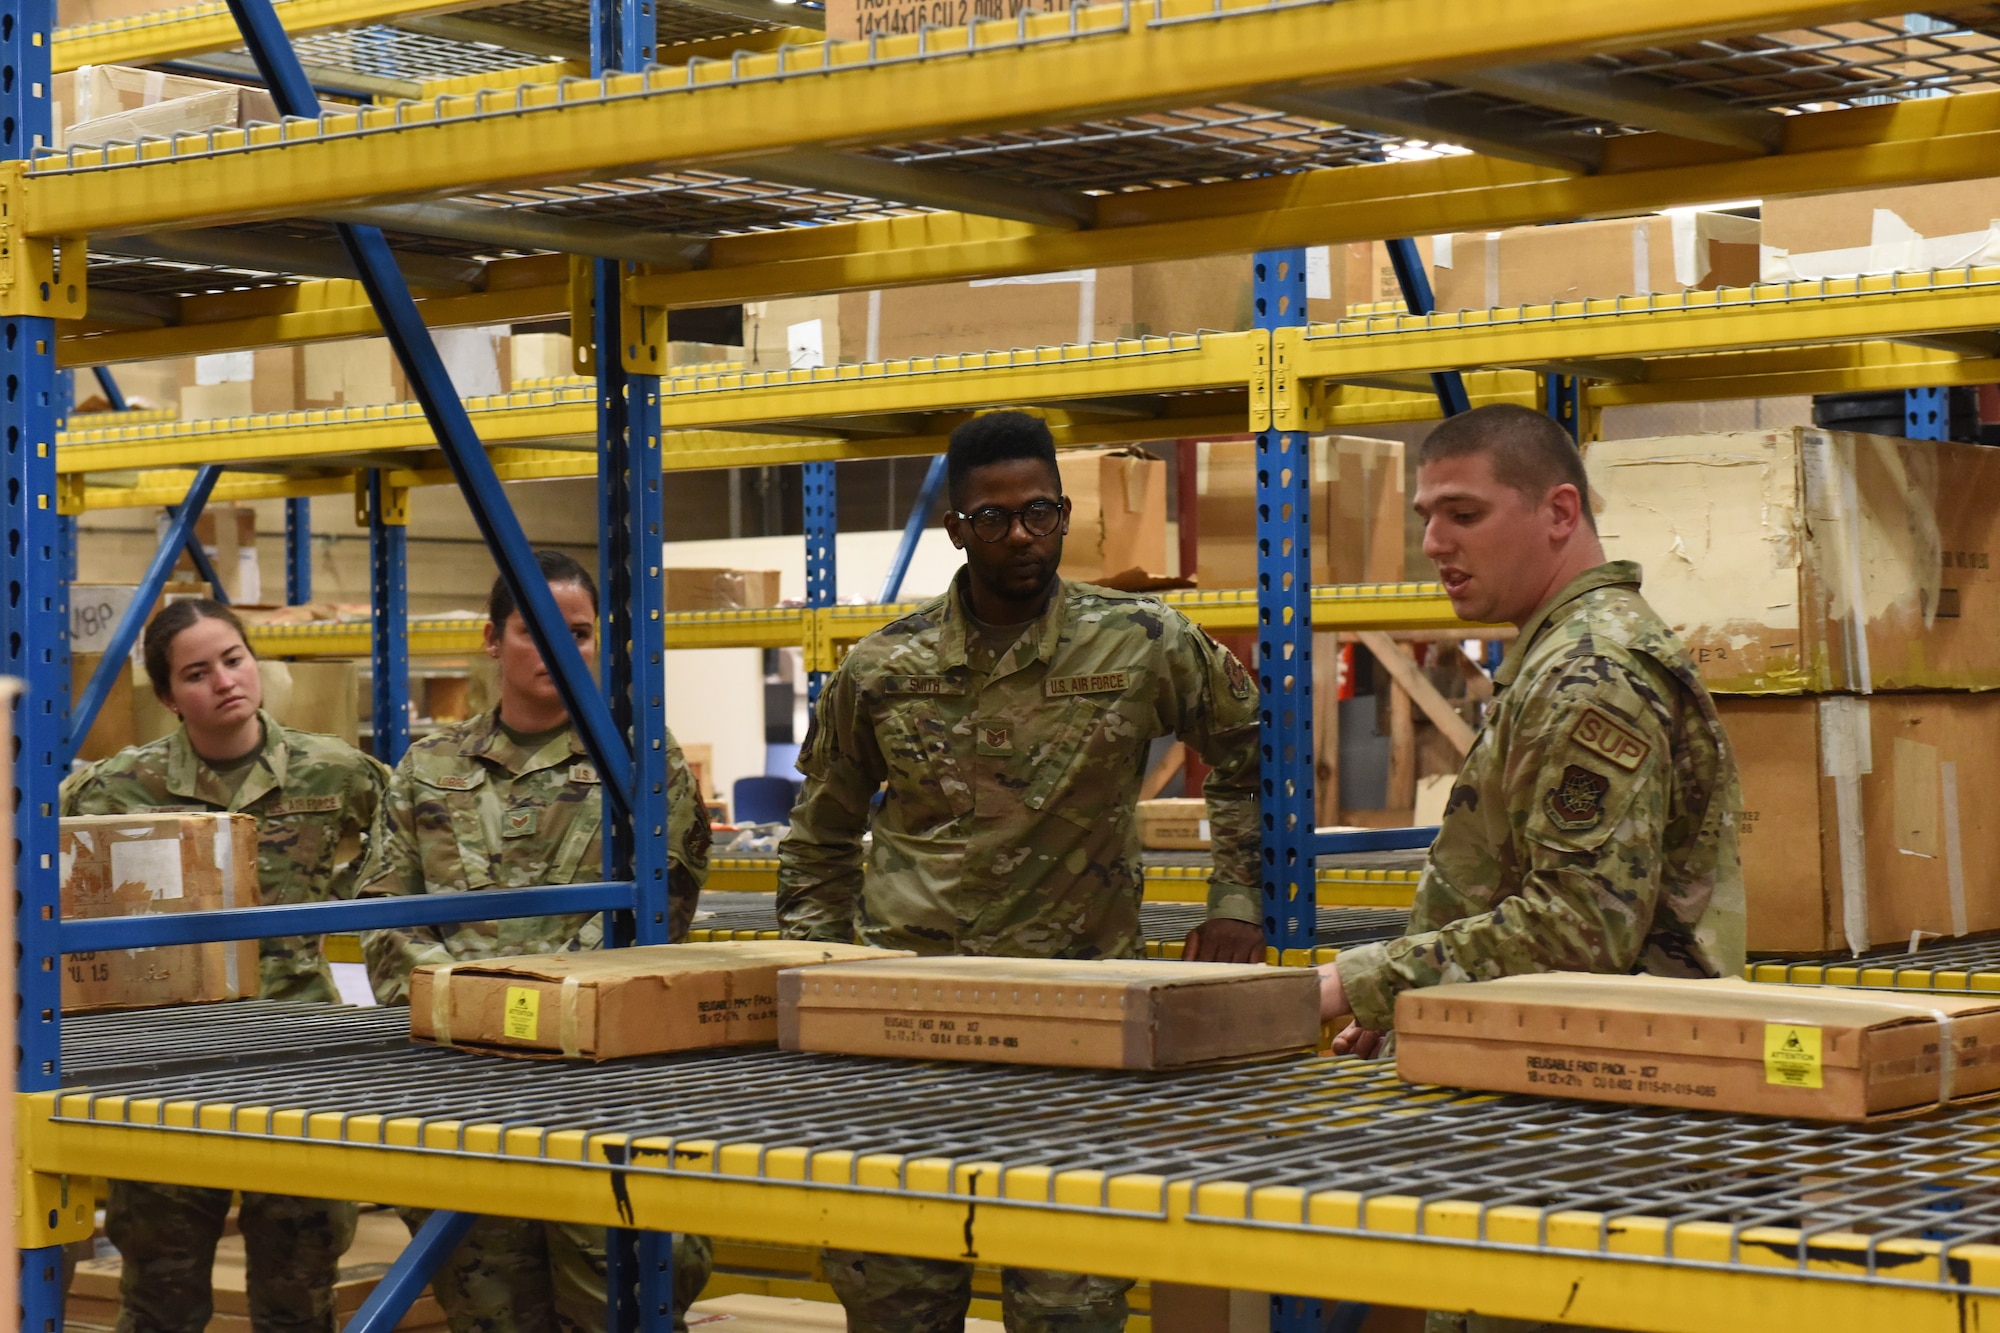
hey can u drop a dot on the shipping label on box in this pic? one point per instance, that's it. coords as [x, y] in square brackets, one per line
[1724, 1045]
[134, 865]
[1104, 1014]
[1174, 824]
[598, 1005]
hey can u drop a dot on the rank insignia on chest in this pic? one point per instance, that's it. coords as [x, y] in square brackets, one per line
[1577, 800]
[996, 740]
[518, 823]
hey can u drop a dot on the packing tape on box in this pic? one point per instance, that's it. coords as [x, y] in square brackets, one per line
[225, 861]
[441, 1004]
[1954, 863]
[1846, 755]
[1830, 468]
[572, 991]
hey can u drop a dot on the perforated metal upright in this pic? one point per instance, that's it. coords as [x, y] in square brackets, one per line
[35, 617]
[822, 524]
[298, 551]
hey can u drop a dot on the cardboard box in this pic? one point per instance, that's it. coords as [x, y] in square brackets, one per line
[599, 1005]
[1118, 513]
[1576, 261]
[1102, 1014]
[847, 20]
[1358, 511]
[360, 372]
[1803, 559]
[721, 589]
[1044, 310]
[98, 104]
[130, 865]
[539, 356]
[1862, 820]
[323, 697]
[1174, 824]
[1948, 224]
[1726, 1045]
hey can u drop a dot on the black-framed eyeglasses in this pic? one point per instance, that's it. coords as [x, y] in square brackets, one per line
[992, 523]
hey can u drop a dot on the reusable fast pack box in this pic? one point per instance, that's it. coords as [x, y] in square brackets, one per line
[1118, 513]
[1863, 820]
[143, 865]
[1725, 1045]
[600, 1005]
[1174, 824]
[1103, 1014]
[1805, 560]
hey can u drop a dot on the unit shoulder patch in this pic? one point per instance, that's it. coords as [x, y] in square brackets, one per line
[1610, 740]
[1576, 802]
[1101, 683]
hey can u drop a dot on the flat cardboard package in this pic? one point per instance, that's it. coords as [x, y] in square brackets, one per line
[617, 1002]
[1118, 513]
[1357, 520]
[1727, 1045]
[358, 372]
[1913, 228]
[1862, 817]
[98, 104]
[1103, 1014]
[1174, 824]
[1809, 560]
[133, 865]
[721, 589]
[1577, 261]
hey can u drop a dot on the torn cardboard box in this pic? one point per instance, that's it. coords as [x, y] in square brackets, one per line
[600, 1005]
[1915, 228]
[1104, 1014]
[1724, 1045]
[1805, 560]
[143, 865]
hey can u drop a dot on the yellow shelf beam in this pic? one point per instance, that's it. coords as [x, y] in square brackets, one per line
[1517, 1262]
[1152, 55]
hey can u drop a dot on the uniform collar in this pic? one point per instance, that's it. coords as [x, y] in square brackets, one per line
[490, 741]
[1038, 642]
[189, 777]
[1614, 573]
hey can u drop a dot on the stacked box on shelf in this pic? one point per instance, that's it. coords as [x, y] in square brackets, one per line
[1837, 593]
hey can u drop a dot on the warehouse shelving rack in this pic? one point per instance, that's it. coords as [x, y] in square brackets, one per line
[979, 153]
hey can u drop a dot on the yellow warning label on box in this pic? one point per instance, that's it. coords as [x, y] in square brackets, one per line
[524, 1014]
[1792, 1056]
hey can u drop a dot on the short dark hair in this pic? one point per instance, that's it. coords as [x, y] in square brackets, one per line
[557, 568]
[173, 618]
[997, 437]
[1530, 452]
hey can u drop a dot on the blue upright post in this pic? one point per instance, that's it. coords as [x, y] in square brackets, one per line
[913, 529]
[1449, 385]
[34, 615]
[822, 523]
[404, 1282]
[1562, 398]
[639, 1274]
[298, 550]
[389, 604]
[1927, 414]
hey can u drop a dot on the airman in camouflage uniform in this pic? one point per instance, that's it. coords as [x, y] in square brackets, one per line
[1593, 825]
[1013, 759]
[469, 809]
[313, 798]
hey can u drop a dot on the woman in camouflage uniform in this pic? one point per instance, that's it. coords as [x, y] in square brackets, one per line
[510, 800]
[313, 798]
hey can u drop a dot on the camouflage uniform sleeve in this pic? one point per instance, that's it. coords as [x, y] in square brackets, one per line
[393, 867]
[688, 836]
[1587, 777]
[365, 785]
[1217, 718]
[820, 860]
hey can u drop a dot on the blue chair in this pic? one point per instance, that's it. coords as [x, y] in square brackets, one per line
[764, 800]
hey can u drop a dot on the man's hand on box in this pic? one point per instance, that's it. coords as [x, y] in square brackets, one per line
[1221, 941]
